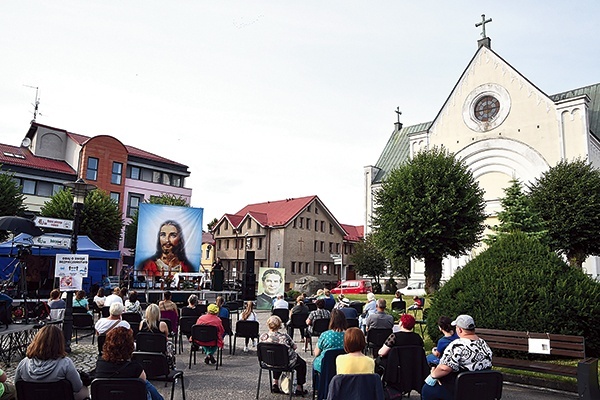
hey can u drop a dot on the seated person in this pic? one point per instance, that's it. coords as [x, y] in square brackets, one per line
[152, 324]
[103, 325]
[7, 390]
[274, 336]
[329, 299]
[417, 305]
[333, 338]
[223, 311]
[397, 296]
[404, 337]
[116, 360]
[355, 361]
[445, 326]
[57, 305]
[299, 308]
[99, 298]
[169, 310]
[132, 304]
[379, 319]
[319, 313]
[115, 297]
[369, 308]
[280, 302]
[191, 309]
[212, 319]
[80, 300]
[47, 361]
[349, 312]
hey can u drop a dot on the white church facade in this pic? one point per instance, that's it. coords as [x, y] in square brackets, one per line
[503, 127]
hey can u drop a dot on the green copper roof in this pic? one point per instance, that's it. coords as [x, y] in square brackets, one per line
[593, 92]
[396, 150]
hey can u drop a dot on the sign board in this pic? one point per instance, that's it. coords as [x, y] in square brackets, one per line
[539, 346]
[55, 223]
[337, 258]
[52, 241]
[71, 265]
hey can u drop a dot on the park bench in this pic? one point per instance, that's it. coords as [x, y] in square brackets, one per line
[553, 345]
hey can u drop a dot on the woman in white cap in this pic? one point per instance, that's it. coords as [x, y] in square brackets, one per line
[467, 353]
[369, 308]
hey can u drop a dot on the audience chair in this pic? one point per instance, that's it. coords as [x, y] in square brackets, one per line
[205, 334]
[478, 385]
[399, 306]
[79, 310]
[311, 306]
[95, 309]
[185, 328]
[118, 389]
[233, 307]
[375, 340]
[422, 323]
[134, 320]
[352, 322]
[297, 321]
[319, 326]
[60, 390]
[172, 328]
[105, 311]
[201, 308]
[273, 357]
[191, 312]
[282, 313]
[355, 386]
[358, 306]
[245, 329]
[151, 342]
[406, 368]
[328, 370]
[84, 322]
[156, 368]
[101, 339]
[228, 331]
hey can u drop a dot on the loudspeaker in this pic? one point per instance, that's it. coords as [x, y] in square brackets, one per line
[217, 280]
[249, 287]
[249, 262]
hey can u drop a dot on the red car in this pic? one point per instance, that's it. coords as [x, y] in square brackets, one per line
[359, 286]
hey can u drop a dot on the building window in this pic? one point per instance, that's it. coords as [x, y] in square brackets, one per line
[259, 247]
[44, 189]
[299, 267]
[56, 188]
[307, 267]
[330, 247]
[226, 225]
[331, 228]
[133, 204]
[293, 267]
[301, 223]
[316, 225]
[249, 243]
[219, 244]
[92, 169]
[316, 246]
[294, 223]
[249, 223]
[133, 172]
[28, 186]
[308, 223]
[316, 210]
[308, 209]
[166, 179]
[146, 175]
[322, 226]
[117, 172]
[116, 197]
[156, 176]
[176, 181]
[322, 247]
[337, 248]
[226, 244]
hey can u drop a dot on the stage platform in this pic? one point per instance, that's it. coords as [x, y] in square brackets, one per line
[181, 296]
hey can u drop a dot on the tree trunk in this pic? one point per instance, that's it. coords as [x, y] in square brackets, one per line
[433, 274]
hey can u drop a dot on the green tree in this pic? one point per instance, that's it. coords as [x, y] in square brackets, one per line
[429, 208]
[164, 199]
[367, 259]
[11, 199]
[212, 224]
[517, 215]
[100, 217]
[567, 197]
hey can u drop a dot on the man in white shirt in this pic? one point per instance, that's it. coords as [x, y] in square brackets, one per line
[115, 297]
[112, 321]
[280, 302]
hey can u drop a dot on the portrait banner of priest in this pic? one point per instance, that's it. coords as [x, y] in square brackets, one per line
[271, 282]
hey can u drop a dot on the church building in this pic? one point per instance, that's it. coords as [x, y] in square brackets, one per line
[503, 127]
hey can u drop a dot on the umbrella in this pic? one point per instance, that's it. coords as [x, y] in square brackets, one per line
[18, 225]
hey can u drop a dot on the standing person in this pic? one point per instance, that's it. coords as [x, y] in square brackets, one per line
[47, 361]
[333, 338]
[116, 360]
[152, 324]
[468, 353]
[445, 326]
[211, 318]
[112, 321]
[247, 315]
[132, 304]
[379, 319]
[99, 298]
[170, 255]
[299, 365]
[114, 297]
[355, 361]
[272, 285]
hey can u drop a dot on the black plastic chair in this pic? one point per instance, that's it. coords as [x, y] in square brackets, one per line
[355, 386]
[169, 323]
[185, 328]
[273, 357]
[406, 368]
[422, 322]
[358, 306]
[134, 320]
[311, 306]
[228, 331]
[60, 390]
[157, 368]
[100, 341]
[105, 311]
[352, 322]
[151, 342]
[192, 312]
[282, 313]
[328, 370]
[297, 321]
[399, 305]
[205, 334]
[478, 385]
[375, 339]
[319, 326]
[245, 329]
[79, 310]
[83, 322]
[118, 389]
[233, 307]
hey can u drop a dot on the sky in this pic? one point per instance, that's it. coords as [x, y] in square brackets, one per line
[268, 100]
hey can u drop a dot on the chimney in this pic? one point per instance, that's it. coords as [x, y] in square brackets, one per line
[484, 42]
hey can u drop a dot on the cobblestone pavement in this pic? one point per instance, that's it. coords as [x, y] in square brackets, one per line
[237, 378]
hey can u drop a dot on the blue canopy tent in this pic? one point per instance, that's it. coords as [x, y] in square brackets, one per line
[98, 257]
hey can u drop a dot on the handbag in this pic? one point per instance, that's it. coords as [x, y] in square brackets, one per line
[285, 383]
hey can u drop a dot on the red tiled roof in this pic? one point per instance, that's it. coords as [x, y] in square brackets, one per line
[134, 151]
[208, 237]
[274, 213]
[21, 156]
[354, 233]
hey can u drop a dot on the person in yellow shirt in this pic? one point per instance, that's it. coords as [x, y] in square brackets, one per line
[354, 362]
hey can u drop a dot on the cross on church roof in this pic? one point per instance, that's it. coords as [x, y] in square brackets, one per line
[482, 24]
[399, 113]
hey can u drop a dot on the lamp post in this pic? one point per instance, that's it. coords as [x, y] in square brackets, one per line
[80, 189]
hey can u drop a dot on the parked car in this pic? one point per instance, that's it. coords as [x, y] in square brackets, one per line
[414, 289]
[357, 286]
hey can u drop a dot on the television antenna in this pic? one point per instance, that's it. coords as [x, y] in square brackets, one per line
[37, 101]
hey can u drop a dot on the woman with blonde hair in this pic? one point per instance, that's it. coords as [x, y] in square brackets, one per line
[152, 324]
[47, 361]
[249, 315]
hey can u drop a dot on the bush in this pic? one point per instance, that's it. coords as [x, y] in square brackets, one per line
[376, 287]
[519, 284]
[292, 295]
[391, 286]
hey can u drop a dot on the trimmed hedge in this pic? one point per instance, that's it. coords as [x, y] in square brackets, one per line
[519, 284]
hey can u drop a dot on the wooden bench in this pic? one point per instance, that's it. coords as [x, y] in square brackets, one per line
[567, 346]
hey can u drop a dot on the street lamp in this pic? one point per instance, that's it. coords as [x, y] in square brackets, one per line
[80, 189]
